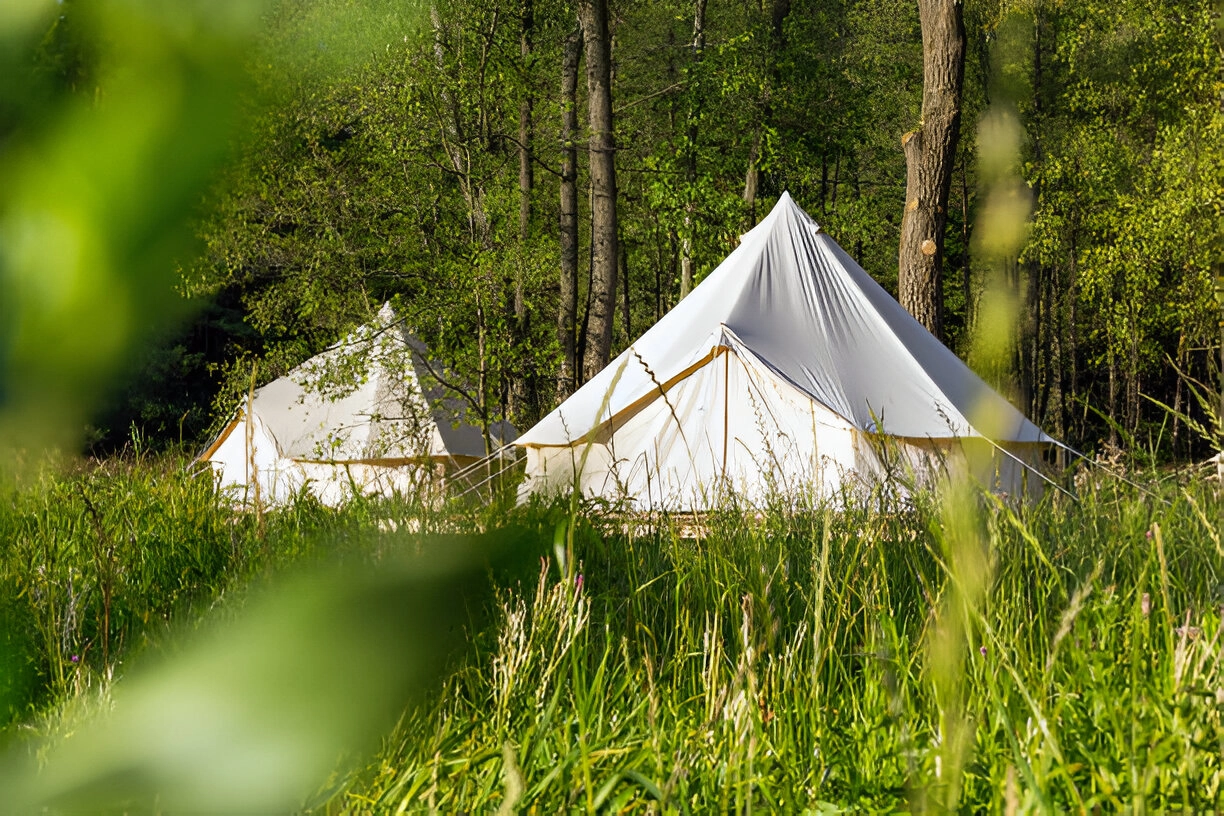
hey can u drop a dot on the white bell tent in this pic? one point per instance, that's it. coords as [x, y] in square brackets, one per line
[370, 414]
[787, 370]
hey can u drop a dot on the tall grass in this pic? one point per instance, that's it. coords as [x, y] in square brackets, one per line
[99, 563]
[808, 662]
[946, 654]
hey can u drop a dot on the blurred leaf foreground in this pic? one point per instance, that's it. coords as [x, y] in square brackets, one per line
[114, 118]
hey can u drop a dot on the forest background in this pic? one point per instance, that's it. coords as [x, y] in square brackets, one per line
[354, 152]
[419, 155]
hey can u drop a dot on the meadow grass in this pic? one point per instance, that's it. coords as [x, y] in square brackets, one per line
[951, 653]
[105, 560]
[821, 660]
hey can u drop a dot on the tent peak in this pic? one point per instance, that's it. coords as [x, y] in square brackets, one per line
[787, 204]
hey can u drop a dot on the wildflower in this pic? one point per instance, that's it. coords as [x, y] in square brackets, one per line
[1145, 604]
[76, 658]
[1187, 631]
[1149, 534]
[982, 650]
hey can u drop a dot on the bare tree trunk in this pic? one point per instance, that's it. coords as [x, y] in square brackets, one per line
[567, 314]
[1058, 355]
[521, 388]
[482, 380]
[930, 151]
[658, 270]
[966, 269]
[525, 168]
[593, 15]
[1133, 385]
[690, 169]
[1177, 392]
[1218, 270]
[1219, 293]
[1073, 333]
[824, 184]
[751, 179]
[778, 12]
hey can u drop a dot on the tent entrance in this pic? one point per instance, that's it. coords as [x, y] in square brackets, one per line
[726, 425]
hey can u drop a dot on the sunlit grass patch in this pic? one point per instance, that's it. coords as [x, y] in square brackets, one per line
[816, 658]
[801, 663]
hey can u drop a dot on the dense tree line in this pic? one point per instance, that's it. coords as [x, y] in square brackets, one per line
[534, 184]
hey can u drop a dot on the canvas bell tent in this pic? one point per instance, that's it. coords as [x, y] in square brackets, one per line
[787, 370]
[370, 414]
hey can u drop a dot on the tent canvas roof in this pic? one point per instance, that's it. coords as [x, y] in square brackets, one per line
[373, 397]
[808, 312]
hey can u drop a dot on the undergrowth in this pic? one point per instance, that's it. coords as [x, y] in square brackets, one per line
[808, 662]
[954, 653]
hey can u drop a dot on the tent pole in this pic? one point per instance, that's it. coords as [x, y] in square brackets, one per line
[726, 389]
[1029, 468]
[1119, 476]
[252, 474]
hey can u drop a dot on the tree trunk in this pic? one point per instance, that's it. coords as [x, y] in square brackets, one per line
[690, 164]
[521, 387]
[525, 169]
[593, 14]
[1113, 395]
[751, 179]
[1177, 392]
[779, 10]
[966, 269]
[1133, 384]
[1073, 350]
[929, 155]
[567, 314]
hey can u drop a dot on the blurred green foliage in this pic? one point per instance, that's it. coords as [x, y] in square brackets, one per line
[114, 118]
[159, 650]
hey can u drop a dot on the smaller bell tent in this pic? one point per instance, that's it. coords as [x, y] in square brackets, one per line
[371, 414]
[788, 370]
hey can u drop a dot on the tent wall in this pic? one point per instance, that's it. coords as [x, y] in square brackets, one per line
[368, 415]
[1008, 470]
[733, 427]
[248, 469]
[730, 427]
[334, 484]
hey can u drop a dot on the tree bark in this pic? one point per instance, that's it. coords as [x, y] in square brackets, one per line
[526, 174]
[690, 164]
[751, 179]
[1113, 395]
[930, 151]
[966, 269]
[778, 12]
[567, 314]
[521, 388]
[593, 15]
